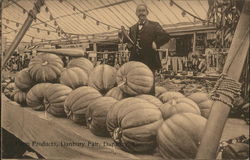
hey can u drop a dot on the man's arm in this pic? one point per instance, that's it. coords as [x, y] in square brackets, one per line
[162, 37]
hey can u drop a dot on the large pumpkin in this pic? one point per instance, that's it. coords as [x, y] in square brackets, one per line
[180, 135]
[159, 90]
[45, 68]
[23, 80]
[20, 97]
[102, 78]
[203, 101]
[151, 99]
[35, 96]
[77, 102]
[55, 97]
[116, 93]
[166, 96]
[133, 123]
[74, 77]
[179, 105]
[135, 78]
[82, 63]
[96, 115]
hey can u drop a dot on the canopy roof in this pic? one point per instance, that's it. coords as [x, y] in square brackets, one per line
[86, 19]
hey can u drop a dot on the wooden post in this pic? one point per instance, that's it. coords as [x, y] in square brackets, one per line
[233, 68]
[194, 43]
[32, 14]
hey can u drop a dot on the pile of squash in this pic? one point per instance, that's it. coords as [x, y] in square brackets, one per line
[116, 103]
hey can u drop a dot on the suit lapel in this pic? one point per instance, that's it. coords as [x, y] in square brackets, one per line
[145, 25]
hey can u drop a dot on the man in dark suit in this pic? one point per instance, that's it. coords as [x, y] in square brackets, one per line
[147, 36]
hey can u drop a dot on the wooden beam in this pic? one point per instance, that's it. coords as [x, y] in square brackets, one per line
[32, 14]
[233, 68]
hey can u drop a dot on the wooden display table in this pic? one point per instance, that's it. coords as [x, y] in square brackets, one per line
[60, 138]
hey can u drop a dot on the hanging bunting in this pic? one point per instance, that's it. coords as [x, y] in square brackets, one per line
[17, 24]
[46, 9]
[97, 22]
[84, 16]
[48, 32]
[45, 25]
[38, 30]
[51, 17]
[171, 3]
[183, 13]
[74, 8]
[24, 11]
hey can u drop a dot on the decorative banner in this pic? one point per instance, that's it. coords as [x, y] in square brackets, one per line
[84, 16]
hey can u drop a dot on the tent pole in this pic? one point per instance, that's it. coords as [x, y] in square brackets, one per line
[31, 15]
[233, 67]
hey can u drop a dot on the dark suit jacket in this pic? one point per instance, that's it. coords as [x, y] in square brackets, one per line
[151, 31]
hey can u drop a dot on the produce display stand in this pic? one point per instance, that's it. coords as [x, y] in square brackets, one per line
[33, 127]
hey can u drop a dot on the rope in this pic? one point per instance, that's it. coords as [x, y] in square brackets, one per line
[228, 87]
[69, 114]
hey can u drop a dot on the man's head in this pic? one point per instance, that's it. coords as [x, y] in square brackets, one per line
[142, 11]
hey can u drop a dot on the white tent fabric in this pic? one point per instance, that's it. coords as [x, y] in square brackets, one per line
[86, 18]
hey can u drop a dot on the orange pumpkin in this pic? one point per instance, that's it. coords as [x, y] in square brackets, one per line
[96, 115]
[179, 105]
[151, 99]
[20, 97]
[159, 90]
[133, 123]
[74, 77]
[102, 78]
[180, 135]
[23, 80]
[55, 97]
[203, 101]
[82, 63]
[116, 93]
[135, 78]
[77, 102]
[167, 96]
[45, 67]
[35, 96]
[9, 90]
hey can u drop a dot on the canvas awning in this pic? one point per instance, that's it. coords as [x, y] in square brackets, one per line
[89, 19]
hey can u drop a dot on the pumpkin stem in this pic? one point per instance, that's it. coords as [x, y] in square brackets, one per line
[44, 63]
[117, 135]
[173, 102]
[89, 122]
[124, 80]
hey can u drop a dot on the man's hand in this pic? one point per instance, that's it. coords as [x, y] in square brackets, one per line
[154, 46]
